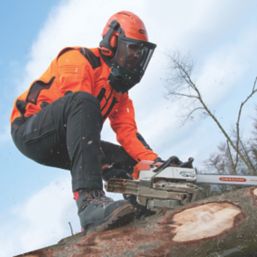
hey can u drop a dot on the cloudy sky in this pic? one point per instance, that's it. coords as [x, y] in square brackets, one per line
[220, 37]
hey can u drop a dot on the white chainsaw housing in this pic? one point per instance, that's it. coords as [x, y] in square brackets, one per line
[169, 173]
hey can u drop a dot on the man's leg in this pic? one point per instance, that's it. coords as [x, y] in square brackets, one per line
[66, 134]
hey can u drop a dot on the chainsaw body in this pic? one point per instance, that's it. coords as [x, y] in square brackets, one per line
[169, 186]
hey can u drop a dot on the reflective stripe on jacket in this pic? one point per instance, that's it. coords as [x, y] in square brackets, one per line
[81, 69]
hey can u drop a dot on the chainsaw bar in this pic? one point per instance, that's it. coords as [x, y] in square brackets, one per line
[177, 174]
[226, 179]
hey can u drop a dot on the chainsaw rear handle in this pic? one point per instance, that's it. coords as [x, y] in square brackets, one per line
[174, 161]
[157, 165]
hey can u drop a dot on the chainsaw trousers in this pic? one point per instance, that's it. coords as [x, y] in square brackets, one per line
[66, 134]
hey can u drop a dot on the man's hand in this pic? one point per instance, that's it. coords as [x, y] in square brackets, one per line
[145, 165]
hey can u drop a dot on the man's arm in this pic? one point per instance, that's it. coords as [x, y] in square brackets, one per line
[123, 123]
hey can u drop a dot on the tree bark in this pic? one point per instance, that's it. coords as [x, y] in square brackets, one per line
[219, 226]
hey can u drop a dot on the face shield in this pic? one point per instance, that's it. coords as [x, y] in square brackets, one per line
[129, 62]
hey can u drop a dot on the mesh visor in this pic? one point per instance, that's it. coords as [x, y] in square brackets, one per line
[133, 55]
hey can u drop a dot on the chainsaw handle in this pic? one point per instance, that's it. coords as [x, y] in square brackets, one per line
[174, 161]
[157, 166]
[188, 164]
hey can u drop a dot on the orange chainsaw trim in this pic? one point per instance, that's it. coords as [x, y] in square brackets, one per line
[231, 179]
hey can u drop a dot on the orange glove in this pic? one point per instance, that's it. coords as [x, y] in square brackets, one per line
[145, 165]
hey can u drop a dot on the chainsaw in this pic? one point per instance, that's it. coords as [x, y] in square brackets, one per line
[168, 185]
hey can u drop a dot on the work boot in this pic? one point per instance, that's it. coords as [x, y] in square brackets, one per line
[98, 212]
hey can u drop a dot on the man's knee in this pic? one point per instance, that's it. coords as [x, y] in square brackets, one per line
[82, 105]
[82, 101]
[84, 97]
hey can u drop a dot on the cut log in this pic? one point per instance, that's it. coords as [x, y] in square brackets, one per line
[224, 225]
[204, 221]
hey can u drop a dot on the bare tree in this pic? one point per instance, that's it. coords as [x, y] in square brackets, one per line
[181, 85]
[254, 143]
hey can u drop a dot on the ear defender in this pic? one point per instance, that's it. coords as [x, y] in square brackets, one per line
[113, 41]
[109, 41]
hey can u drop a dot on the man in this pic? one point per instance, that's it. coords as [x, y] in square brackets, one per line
[58, 120]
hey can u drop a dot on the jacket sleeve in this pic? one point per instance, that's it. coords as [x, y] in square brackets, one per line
[122, 121]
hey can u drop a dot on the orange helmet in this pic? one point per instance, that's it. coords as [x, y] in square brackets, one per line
[126, 23]
[126, 49]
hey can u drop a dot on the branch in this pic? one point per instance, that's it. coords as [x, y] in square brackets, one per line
[228, 138]
[183, 95]
[71, 229]
[184, 71]
[191, 113]
[234, 165]
[252, 169]
[254, 90]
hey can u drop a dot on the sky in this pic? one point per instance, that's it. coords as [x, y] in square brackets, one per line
[219, 36]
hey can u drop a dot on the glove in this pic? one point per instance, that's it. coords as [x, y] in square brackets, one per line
[145, 165]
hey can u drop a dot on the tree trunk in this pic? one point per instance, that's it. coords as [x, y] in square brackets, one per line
[219, 226]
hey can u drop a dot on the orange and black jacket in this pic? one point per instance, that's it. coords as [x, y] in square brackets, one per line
[81, 69]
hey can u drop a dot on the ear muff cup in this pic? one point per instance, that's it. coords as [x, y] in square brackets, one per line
[113, 41]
